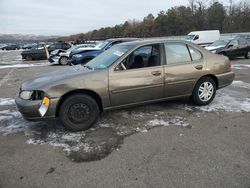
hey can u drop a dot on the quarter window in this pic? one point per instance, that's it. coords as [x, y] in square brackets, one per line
[177, 53]
[196, 55]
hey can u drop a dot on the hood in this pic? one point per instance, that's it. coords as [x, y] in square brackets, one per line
[46, 81]
[211, 48]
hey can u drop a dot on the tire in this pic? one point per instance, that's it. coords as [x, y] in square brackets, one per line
[63, 60]
[78, 112]
[247, 56]
[204, 91]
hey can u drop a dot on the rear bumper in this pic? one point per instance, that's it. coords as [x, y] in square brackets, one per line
[30, 109]
[225, 79]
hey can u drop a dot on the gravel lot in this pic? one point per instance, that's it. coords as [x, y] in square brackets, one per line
[169, 144]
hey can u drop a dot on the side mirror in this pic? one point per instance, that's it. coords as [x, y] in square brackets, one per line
[230, 46]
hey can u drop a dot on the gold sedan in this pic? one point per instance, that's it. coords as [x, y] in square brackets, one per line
[127, 74]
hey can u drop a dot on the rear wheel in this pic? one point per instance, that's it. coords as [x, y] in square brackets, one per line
[204, 91]
[63, 60]
[247, 56]
[78, 112]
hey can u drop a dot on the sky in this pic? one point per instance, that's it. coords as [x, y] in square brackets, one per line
[65, 17]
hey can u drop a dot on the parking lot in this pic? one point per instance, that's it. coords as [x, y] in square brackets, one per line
[169, 144]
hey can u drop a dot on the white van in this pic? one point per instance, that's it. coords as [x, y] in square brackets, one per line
[203, 38]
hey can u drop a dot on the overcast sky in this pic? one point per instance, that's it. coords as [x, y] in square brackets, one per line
[64, 17]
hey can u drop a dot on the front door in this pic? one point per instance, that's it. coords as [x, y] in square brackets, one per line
[138, 78]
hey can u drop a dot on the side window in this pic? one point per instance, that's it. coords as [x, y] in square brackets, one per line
[234, 43]
[146, 56]
[242, 41]
[195, 54]
[177, 53]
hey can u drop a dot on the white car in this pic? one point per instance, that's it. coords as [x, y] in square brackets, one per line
[62, 57]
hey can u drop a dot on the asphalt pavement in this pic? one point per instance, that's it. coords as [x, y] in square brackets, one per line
[168, 144]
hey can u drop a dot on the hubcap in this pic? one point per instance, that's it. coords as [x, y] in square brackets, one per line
[79, 113]
[64, 61]
[206, 91]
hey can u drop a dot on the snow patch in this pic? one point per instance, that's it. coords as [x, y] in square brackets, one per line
[234, 98]
[176, 120]
[241, 66]
[7, 101]
[24, 65]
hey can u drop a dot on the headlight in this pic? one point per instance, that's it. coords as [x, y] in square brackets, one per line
[77, 56]
[32, 95]
[26, 95]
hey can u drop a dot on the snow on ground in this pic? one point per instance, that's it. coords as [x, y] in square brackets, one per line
[241, 66]
[6, 101]
[234, 98]
[23, 65]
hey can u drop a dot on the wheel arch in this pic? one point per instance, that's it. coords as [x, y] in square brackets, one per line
[90, 93]
[211, 76]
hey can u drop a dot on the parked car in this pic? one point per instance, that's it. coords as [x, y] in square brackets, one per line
[127, 74]
[203, 38]
[11, 47]
[62, 56]
[39, 53]
[85, 55]
[29, 46]
[236, 47]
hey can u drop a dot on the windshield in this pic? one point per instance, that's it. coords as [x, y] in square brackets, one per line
[190, 37]
[220, 43]
[102, 45]
[108, 57]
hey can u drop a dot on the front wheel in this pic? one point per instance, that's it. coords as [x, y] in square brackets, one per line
[247, 56]
[204, 91]
[63, 60]
[78, 112]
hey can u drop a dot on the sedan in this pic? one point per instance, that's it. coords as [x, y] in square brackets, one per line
[237, 47]
[127, 74]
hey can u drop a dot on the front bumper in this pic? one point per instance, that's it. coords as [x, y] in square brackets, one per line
[225, 79]
[30, 109]
[53, 58]
[74, 61]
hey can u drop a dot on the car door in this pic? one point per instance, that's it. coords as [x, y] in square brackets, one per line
[185, 64]
[233, 48]
[243, 46]
[139, 77]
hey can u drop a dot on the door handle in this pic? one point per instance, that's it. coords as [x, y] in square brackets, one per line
[156, 73]
[199, 67]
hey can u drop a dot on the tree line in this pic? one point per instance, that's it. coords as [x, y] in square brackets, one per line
[179, 20]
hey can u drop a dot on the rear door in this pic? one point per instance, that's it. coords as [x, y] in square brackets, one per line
[139, 77]
[185, 64]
